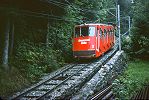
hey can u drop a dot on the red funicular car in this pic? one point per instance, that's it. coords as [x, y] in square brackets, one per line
[92, 40]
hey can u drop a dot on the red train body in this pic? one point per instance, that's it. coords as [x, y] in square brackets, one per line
[92, 40]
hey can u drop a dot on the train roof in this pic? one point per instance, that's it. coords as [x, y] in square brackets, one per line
[94, 24]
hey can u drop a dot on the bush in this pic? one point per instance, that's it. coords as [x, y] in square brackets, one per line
[11, 82]
[34, 60]
[125, 86]
[139, 34]
[126, 44]
[60, 39]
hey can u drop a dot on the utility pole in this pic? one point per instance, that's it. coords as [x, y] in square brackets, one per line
[116, 14]
[119, 32]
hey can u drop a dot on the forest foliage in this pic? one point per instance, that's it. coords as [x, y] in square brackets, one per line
[40, 35]
[132, 80]
[39, 47]
[137, 47]
[140, 29]
[42, 44]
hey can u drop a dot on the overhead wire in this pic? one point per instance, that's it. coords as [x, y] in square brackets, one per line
[65, 4]
[94, 10]
[35, 14]
[47, 16]
[55, 3]
[61, 5]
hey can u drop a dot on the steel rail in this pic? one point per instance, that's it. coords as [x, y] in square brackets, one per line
[34, 87]
[44, 95]
[102, 94]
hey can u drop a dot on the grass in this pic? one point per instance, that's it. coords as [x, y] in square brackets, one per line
[135, 76]
[11, 82]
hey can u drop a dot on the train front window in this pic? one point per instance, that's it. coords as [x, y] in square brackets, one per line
[77, 31]
[91, 31]
[84, 31]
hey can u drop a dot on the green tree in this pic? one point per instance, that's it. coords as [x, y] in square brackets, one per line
[140, 37]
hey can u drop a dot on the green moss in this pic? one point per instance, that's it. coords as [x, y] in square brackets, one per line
[135, 76]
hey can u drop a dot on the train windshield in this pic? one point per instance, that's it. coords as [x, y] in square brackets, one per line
[84, 31]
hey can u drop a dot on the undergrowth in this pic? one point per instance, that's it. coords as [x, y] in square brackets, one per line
[135, 76]
[11, 82]
[35, 60]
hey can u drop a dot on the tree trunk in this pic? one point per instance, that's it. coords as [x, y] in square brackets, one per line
[12, 38]
[6, 45]
[47, 37]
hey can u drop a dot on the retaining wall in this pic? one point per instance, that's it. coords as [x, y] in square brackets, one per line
[104, 76]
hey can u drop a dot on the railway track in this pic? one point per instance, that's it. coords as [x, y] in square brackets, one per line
[40, 89]
[66, 82]
[104, 94]
[143, 94]
[107, 94]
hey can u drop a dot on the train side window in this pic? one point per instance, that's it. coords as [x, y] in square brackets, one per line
[110, 32]
[105, 32]
[101, 33]
[97, 31]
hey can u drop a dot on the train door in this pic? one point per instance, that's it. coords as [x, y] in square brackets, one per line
[97, 40]
[110, 34]
[98, 46]
[108, 38]
[112, 37]
[101, 36]
[105, 39]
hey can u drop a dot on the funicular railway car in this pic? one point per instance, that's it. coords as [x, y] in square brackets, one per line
[92, 40]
